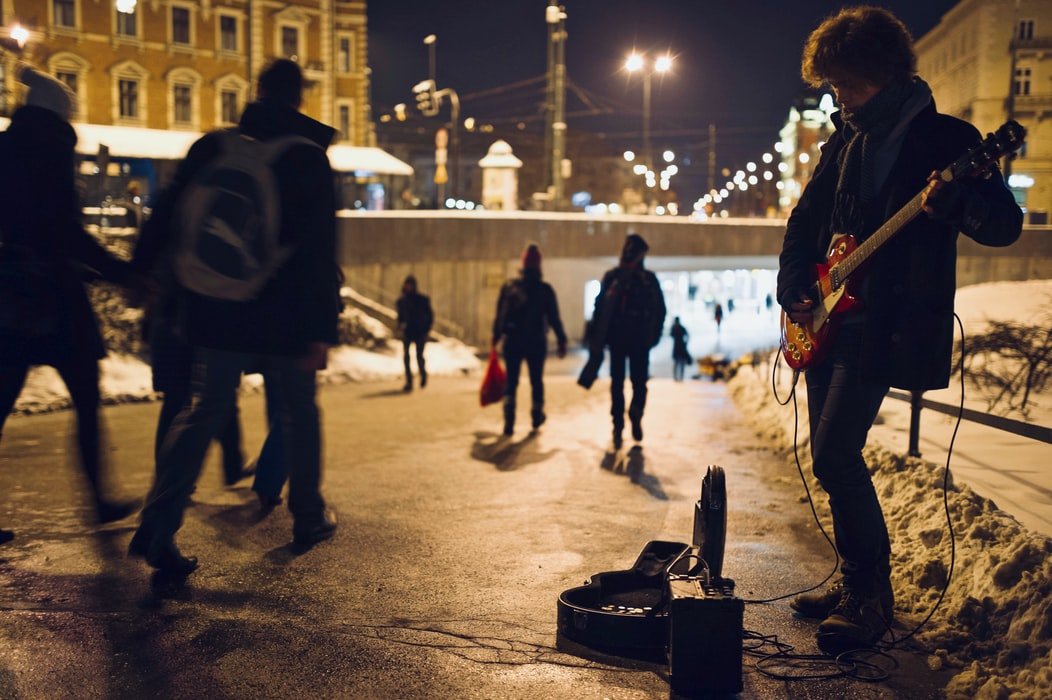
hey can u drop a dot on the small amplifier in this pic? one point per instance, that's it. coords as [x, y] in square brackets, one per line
[705, 635]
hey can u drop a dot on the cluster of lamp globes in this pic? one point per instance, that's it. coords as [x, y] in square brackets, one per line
[652, 177]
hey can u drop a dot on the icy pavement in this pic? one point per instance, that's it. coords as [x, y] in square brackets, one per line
[442, 580]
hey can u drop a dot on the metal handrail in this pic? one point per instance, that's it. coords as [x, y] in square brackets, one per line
[1009, 425]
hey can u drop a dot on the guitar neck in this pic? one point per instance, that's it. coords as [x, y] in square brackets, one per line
[881, 236]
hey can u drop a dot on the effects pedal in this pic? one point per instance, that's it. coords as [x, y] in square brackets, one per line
[705, 635]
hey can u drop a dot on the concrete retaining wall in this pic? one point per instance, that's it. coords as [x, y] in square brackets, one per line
[461, 259]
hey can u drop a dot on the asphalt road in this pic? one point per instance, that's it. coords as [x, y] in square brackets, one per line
[443, 577]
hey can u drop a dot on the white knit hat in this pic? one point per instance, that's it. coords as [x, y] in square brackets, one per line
[47, 92]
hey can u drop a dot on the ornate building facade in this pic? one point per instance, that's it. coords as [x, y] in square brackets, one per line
[191, 65]
[991, 60]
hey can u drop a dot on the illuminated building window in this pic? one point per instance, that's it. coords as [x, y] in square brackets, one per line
[228, 40]
[181, 25]
[127, 24]
[128, 93]
[64, 13]
[345, 53]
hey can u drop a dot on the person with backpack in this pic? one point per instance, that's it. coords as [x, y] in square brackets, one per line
[46, 259]
[414, 324]
[628, 318]
[526, 308]
[249, 221]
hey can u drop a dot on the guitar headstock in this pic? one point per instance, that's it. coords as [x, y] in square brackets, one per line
[1006, 140]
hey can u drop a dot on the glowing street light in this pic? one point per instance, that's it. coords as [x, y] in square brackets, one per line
[637, 63]
[20, 34]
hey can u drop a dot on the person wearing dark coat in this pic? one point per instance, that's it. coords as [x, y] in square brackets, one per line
[680, 354]
[628, 318]
[414, 325]
[889, 142]
[287, 327]
[526, 308]
[46, 257]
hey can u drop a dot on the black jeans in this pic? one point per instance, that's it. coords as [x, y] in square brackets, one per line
[80, 373]
[419, 358]
[638, 371]
[172, 360]
[216, 375]
[842, 409]
[513, 357]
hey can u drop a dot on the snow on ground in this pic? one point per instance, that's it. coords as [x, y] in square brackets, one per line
[995, 623]
[125, 378]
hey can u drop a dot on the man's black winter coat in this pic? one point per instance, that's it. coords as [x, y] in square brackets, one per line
[911, 281]
[41, 212]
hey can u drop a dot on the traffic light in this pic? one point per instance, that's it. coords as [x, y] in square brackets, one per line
[425, 97]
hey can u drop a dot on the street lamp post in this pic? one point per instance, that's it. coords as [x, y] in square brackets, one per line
[429, 100]
[636, 63]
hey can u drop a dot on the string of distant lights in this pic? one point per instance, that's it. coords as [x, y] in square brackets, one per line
[754, 173]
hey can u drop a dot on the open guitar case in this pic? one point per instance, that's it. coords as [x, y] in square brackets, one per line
[626, 612]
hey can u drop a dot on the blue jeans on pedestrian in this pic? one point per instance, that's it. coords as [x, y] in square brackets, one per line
[842, 409]
[215, 378]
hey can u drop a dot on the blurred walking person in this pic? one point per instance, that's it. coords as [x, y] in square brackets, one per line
[628, 318]
[279, 311]
[46, 257]
[526, 309]
[680, 354]
[414, 325]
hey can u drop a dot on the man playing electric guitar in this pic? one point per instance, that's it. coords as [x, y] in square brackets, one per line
[889, 139]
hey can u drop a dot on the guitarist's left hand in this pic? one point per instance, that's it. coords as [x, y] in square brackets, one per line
[940, 199]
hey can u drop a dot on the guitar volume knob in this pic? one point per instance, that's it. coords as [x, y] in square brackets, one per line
[800, 336]
[791, 347]
[796, 356]
[808, 347]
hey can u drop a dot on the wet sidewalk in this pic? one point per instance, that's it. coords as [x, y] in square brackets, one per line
[442, 580]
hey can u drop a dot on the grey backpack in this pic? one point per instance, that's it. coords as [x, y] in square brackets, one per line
[229, 220]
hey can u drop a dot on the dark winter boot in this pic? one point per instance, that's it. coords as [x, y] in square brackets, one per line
[637, 424]
[619, 427]
[537, 416]
[509, 416]
[856, 622]
[423, 379]
[819, 604]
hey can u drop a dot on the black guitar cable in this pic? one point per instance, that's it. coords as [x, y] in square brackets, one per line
[860, 664]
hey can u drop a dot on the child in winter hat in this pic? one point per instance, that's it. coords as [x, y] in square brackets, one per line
[46, 92]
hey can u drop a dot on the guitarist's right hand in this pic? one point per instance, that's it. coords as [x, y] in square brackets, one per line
[800, 311]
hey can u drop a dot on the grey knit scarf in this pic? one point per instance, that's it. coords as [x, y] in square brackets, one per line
[873, 138]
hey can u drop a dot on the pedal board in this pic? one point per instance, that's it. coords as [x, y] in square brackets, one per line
[705, 635]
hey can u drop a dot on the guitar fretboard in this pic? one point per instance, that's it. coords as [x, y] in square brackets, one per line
[892, 226]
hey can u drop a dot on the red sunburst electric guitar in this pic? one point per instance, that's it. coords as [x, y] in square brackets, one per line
[805, 345]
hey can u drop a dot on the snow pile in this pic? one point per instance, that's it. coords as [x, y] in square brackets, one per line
[375, 355]
[995, 622]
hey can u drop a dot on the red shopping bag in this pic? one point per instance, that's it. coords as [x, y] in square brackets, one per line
[493, 383]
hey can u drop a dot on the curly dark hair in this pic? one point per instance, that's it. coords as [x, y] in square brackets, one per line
[867, 42]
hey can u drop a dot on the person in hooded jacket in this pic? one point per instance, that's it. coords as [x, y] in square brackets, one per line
[287, 328]
[526, 309]
[629, 317]
[414, 325]
[46, 257]
[889, 144]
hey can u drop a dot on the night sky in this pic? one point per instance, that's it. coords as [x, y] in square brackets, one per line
[736, 63]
